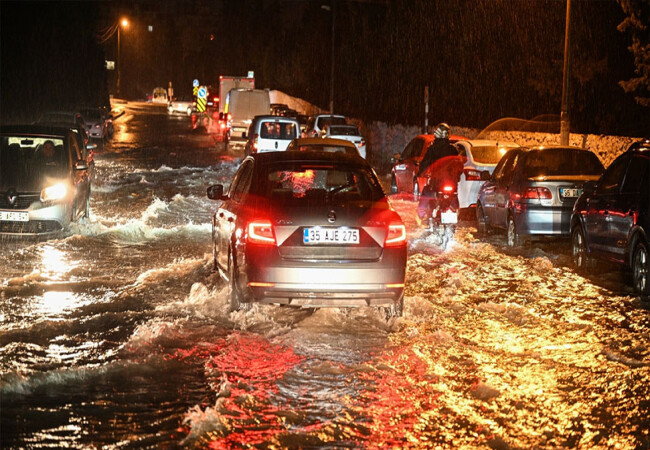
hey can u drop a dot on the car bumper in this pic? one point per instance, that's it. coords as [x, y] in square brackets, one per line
[42, 222]
[327, 284]
[540, 220]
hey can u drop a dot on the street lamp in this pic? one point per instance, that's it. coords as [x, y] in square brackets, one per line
[123, 23]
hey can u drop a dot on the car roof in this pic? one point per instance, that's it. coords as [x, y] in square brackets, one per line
[555, 146]
[329, 115]
[324, 141]
[273, 118]
[311, 156]
[36, 130]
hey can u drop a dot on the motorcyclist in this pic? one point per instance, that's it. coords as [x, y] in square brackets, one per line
[440, 148]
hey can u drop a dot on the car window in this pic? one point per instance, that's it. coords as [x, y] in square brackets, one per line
[487, 154]
[324, 121]
[24, 161]
[612, 177]
[278, 130]
[636, 176]
[343, 131]
[510, 168]
[241, 182]
[498, 171]
[561, 161]
[313, 184]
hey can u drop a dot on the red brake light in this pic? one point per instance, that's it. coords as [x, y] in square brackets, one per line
[472, 174]
[538, 193]
[260, 232]
[396, 235]
[448, 188]
[255, 139]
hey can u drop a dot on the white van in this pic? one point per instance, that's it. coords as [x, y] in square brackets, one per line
[271, 134]
[244, 104]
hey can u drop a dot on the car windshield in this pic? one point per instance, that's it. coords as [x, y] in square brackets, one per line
[488, 154]
[278, 130]
[561, 161]
[26, 162]
[326, 121]
[327, 148]
[344, 131]
[315, 184]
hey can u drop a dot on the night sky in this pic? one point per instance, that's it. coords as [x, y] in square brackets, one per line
[482, 59]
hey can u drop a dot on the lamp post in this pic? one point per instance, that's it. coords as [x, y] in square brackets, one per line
[123, 23]
[564, 113]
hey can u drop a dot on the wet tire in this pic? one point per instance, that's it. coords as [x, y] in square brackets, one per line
[236, 301]
[579, 249]
[393, 184]
[416, 190]
[481, 223]
[640, 268]
[512, 237]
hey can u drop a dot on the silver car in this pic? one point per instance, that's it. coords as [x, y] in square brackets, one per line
[346, 132]
[44, 180]
[532, 191]
[310, 229]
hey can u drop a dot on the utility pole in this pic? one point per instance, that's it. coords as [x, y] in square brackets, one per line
[332, 68]
[564, 114]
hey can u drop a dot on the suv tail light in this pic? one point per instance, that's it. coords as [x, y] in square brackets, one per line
[538, 193]
[260, 232]
[255, 140]
[472, 174]
[396, 235]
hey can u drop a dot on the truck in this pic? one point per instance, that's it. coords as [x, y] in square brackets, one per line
[227, 83]
[242, 105]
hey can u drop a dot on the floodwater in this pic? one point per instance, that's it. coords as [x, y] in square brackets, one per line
[118, 333]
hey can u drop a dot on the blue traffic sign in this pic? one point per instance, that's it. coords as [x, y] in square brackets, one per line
[203, 93]
[195, 83]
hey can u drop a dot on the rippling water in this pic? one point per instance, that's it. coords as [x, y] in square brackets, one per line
[118, 334]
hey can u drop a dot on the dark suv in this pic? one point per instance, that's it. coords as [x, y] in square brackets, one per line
[611, 220]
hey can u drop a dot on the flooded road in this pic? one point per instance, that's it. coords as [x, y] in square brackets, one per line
[118, 334]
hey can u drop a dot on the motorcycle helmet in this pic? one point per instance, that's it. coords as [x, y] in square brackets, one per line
[442, 131]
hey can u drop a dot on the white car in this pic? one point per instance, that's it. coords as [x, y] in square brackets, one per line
[183, 105]
[346, 132]
[481, 155]
[319, 121]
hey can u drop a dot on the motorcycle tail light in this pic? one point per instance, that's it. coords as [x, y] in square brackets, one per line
[260, 232]
[472, 174]
[396, 235]
[448, 188]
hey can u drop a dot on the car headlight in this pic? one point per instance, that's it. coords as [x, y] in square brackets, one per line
[54, 192]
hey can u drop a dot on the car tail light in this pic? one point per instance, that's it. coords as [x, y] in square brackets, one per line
[255, 139]
[260, 232]
[448, 188]
[396, 235]
[472, 174]
[363, 143]
[538, 193]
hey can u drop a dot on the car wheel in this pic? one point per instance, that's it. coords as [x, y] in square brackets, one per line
[416, 190]
[511, 233]
[236, 301]
[640, 268]
[481, 223]
[393, 184]
[579, 248]
[395, 310]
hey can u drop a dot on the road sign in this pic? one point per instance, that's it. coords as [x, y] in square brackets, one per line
[195, 83]
[201, 103]
[203, 92]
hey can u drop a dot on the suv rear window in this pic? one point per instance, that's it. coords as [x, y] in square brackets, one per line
[340, 130]
[278, 130]
[561, 161]
[322, 122]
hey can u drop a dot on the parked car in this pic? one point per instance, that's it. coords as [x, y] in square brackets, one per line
[271, 133]
[44, 180]
[479, 155]
[317, 122]
[403, 177]
[183, 105]
[532, 191]
[309, 229]
[347, 132]
[611, 219]
[323, 145]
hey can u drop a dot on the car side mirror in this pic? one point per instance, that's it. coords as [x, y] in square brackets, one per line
[215, 192]
[485, 175]
[81, 165]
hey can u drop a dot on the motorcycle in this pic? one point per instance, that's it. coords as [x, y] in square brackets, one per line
[439, 205]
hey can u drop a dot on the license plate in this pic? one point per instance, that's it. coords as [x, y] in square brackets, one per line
[449, 217]
[569, 192]
[14, 216]
[319, 235]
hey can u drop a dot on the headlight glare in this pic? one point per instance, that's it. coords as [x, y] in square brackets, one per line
[54, 192]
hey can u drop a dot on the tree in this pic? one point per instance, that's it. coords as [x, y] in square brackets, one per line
[636, 25]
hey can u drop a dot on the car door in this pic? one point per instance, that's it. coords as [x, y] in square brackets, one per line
[624, 207]
[597, 217]
[404, 168]
[488, 190]
[500, 195]
[226, 215]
